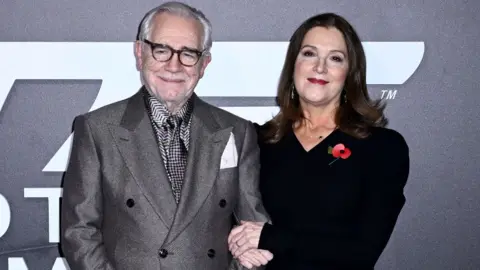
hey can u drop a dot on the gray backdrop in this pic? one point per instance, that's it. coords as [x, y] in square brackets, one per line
[435, 109]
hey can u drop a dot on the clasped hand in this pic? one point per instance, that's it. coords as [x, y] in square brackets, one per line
[243, 244]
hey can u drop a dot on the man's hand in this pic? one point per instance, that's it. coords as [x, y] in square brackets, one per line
[246, 237]
[255, 257]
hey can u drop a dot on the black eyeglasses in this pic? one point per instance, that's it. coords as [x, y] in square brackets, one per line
[163, 53]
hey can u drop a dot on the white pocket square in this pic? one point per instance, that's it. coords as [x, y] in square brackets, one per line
[230, 156]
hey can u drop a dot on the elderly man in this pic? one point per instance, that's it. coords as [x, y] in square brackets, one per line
[156, 181]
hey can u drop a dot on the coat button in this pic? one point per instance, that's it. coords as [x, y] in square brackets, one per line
[163, 253]
[211, 253]
[130, 203]
[222, 203]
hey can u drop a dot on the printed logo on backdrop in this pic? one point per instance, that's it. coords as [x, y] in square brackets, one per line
[250, 74]
[252, 71]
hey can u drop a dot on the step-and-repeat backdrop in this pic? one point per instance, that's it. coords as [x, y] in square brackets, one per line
[60, 59]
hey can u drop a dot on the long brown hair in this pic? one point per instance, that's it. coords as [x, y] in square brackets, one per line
[355, 115]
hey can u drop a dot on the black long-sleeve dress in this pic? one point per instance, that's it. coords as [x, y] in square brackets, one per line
[330, 213]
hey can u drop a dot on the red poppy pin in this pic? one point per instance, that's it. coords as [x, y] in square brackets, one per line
[339, 151]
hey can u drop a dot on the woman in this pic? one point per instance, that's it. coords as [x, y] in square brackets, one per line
[332, 175]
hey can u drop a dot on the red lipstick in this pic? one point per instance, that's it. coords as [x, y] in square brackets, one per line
[317, 81]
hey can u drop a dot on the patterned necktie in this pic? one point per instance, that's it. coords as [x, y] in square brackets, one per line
[176, 154]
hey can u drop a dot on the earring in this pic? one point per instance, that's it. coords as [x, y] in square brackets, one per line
[292, 91]
[344, 96]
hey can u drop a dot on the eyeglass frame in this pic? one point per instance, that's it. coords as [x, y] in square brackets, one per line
[153, 45]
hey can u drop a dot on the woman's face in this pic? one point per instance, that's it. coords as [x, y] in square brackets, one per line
[321, 67]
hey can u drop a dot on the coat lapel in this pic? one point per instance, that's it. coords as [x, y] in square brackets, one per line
[207, 142]
[138, 146]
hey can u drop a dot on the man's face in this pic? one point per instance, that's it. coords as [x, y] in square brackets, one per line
[171, 81]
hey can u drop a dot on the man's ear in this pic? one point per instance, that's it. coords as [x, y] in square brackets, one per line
[138, 54]
[205, 62]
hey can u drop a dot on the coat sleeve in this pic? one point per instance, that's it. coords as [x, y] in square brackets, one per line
[82, 209]
[249, 206]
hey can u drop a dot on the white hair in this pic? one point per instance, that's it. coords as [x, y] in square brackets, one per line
[179, 9]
